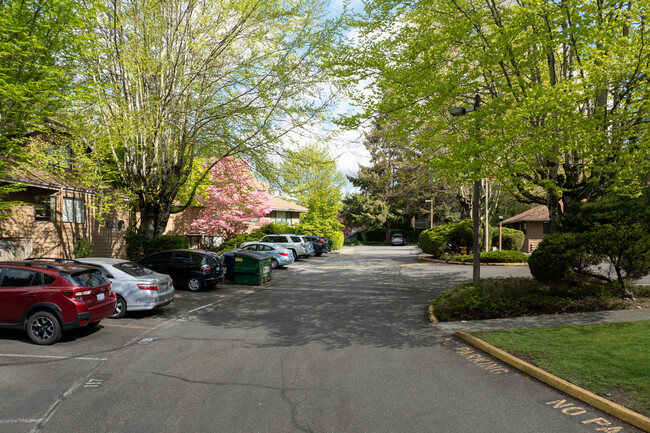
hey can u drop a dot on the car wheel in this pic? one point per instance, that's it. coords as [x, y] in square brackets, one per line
[43, 328]
[295, 255]
[120, 308]
[274, 264]
[319, 253]
[194, 284]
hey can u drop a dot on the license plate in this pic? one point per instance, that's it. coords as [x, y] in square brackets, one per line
[101, 297]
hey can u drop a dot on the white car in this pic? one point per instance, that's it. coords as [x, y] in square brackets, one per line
[137, 288]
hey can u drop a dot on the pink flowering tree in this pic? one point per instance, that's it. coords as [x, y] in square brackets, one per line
[233, 197]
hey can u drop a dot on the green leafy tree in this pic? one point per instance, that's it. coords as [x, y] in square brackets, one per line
[394, 186]
[173, 81]
[361, 210]
[310, 176]
[560, 90]
[39, 40]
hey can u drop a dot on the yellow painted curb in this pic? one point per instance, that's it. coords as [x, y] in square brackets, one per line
[432, 317]
[614, 409]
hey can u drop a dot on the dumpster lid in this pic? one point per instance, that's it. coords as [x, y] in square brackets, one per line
[251, 254]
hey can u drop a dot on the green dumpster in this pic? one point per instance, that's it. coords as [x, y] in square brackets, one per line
[252, 267]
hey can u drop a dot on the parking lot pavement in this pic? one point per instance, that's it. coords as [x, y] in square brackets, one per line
[34, 379]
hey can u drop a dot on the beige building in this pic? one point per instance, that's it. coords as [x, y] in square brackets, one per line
[53, 215]
[535, 223]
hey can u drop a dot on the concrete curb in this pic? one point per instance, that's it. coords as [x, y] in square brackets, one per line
[594, 400]
[426, 259]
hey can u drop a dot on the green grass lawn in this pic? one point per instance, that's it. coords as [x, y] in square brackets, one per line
[611, 360]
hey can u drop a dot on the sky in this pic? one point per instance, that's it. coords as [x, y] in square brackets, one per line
[346, 146]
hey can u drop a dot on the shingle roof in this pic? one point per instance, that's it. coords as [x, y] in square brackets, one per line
[539, 213]
[284, 205]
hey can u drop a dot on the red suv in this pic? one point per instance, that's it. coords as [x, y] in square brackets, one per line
[44, 299]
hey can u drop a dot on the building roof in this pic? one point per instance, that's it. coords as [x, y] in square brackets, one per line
[539, 213]
[279, 204]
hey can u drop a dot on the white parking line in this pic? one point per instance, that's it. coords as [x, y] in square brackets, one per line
[200, 308]
[20, 421]
[81, 358]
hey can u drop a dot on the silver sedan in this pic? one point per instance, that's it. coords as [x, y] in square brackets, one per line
[137, 288]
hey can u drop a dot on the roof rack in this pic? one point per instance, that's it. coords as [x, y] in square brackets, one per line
[50, 259]
[31, 263]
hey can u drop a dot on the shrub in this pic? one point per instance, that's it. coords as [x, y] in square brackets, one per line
[83, 248]
[461, 235]
[335, 240]
[163, 243]
[511, 297]
[240, 239]
[561, 258]
[615, 230]
[138, 246]
[435, 240]
[511, 239]
[504, 256]
[135, 246]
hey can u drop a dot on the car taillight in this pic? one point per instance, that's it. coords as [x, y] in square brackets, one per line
[148, 287]
[75, 295]
[206, 268]
[320, 241]
[284, 254]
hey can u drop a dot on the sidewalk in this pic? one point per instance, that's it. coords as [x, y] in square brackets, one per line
[615, 316]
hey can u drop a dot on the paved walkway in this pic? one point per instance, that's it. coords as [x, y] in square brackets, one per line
[616, 316]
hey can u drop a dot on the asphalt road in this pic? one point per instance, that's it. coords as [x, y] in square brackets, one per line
[338, 343]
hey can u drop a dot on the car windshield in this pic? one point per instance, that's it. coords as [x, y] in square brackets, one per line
[133, 269]
[86, 278]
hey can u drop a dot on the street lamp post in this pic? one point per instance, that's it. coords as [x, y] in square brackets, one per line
[500, 228]
[430, 213]
[476, 205]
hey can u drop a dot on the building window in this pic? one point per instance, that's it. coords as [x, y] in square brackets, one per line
[281, 217]
[74, 210]
[212, 241]
[45, 208]
[547, 227]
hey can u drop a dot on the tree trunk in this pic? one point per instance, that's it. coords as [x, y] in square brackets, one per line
[153, 218]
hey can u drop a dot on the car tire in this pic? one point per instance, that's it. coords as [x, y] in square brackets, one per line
[295, 255]
[274, 264]
[194, 284]
[319, 253]
[120, 308]
[43, 328]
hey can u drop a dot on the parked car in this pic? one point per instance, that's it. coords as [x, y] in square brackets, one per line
[280, 256]
[45, 299]
[292, 242]
[136, 288]
[192, 269]
[319, 243]
[397, 239]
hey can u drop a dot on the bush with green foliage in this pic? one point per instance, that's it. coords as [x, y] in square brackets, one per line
[504, 256]
[83, 248]
[513, 297]
[562, 258]
[435, 241]
[511, 239]
[138, 246]
[461, 235]
[616, 231]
